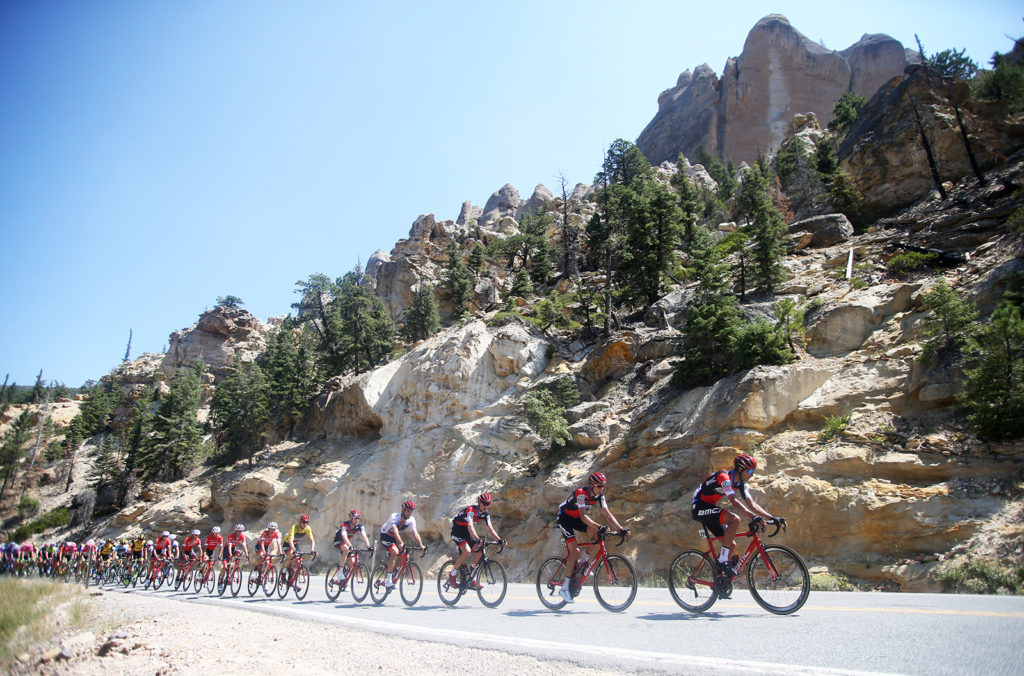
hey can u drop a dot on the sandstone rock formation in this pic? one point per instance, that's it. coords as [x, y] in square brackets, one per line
[220, 336]
[780, 72]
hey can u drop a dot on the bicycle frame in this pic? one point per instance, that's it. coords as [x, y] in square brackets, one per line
[755, 546]
[600, 555]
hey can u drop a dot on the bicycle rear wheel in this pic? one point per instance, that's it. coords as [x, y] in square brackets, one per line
[332, 586]
[222, 581]
[378, 590]
[691, 580]
[210, 577]
[252, 583]
[549, 582]
[186, 579]
[359, 582]
[301, 582]
[269, 581]
[779, 580]
[450, 594]
[411, 584]
[493, 584]
[158, 580]
[615, 583]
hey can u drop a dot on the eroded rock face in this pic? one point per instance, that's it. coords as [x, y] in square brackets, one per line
[780, 73]
[220, 336]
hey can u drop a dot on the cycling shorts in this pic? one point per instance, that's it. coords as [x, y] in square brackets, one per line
[460, 534]
[569, 525]
[388, 540]
[709, 515]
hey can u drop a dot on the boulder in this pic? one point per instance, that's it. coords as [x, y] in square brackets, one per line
[826, 230]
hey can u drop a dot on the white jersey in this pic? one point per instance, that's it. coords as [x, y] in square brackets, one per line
[393, 522]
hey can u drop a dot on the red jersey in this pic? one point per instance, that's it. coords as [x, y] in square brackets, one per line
[472, 512]
[214, 539]
[192, 541]
[269, 535]
[235, 539]
[580, 501]
[162, 543]
[719, 485]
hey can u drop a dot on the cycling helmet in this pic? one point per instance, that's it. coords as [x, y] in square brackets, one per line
[272, 525]
[195, 531]
[90, 542]
[409, 504]
[304, 518]
[149, 543]
[484, 498]
[745, 462]
[215, 529]
[173, 537]
[598, 479]
[354, 514]
[165, 534]
[239, 527]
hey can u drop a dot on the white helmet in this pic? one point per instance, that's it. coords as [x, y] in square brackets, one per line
[174, 537]
[239, 527]
[90, 542]
[272, 525]
[215, 529]
[165, 534]
[195, 531]
[149, 543]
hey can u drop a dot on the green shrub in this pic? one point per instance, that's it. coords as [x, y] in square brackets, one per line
[983, 576]
[835, 425]
[55, 518]
[28, 507]
[831, 582]
[904, 263]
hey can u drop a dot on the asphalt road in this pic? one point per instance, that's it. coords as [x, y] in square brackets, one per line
[835, 632]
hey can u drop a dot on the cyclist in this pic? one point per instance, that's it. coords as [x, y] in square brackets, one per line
[294, 538]
[193, 543]
[572, 517]
[175, 547]
[139, 548]
[213, 542]
[391, 537]
[235, 543]
[730, 484]
[268, 540]
[342, 540]
[162, 546]
[67, 552]
[465, 537]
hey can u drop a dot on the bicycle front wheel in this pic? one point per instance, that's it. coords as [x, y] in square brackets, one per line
[236, 580]
[222, 582]
[332, 586]
[269, 581]
[411, 584]
[378, 588]
[252, 583]
[779, 580]
[186, 579]
[359, 582]
[691, 581]
[283, 582]
[301, 582]
[615, 583]
[493, 584]
[450, 594]
[549, 582]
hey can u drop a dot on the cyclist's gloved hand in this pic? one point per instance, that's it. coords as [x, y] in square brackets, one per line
[503, 542]
[781, 521]
[624, 532]
[602, 530]
[757, 523]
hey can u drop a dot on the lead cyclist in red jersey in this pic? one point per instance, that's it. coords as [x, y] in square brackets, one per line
[730, 484]
[572, 517]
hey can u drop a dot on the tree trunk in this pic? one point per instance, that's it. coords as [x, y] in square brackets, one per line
[967, 142]
[928, 151]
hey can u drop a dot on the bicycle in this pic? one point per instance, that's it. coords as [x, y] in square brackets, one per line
[777, 577]
[487, 577]
[297, 576]
[230, 576]
[354, 573]
[614, 577]
[160, 569]
[408, 574]
[183, 580]
[204, 575]
[264, 575]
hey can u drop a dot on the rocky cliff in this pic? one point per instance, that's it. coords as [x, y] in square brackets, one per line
[779, 73]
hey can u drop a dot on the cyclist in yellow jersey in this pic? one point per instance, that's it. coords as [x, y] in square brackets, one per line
[293, 538]
[139, 548]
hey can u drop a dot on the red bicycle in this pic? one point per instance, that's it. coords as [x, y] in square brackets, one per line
[230, 576]
[204, 575]
[295, 576]
[263, 575]
[777, 577]
[354, 576]
[408, 575]
[614, 577]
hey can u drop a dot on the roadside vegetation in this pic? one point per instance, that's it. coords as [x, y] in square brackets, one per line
[26, 614]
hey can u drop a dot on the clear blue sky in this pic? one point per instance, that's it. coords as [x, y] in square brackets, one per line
[157, 155]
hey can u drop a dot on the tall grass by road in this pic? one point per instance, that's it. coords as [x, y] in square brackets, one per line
[25, 608]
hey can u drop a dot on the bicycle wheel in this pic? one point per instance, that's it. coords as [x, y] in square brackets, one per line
[269, 581]
[210, 577]
[493, 584]
[359, 582]
[411, 584]
[449, 594]
[283, 582]
[161, 576]
[615, 583]
[301, 582]
[236, 580]
[378, 590]
[691, 580]
[779, 580]
[332, 586]
[186, 578]
[252, 583]
[223, 581]
[549, 582]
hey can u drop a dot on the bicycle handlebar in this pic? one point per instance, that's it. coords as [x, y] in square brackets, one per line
[760, 525]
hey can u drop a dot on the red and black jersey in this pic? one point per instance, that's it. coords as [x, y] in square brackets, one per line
[474, 513]
[719, 485]
[349, 529]
[581, 500]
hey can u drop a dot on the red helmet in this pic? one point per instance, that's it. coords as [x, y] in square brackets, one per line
[409, 504]
[598, 479]
[745, 462]
[354, 514]
[304, 518]
[485, 498]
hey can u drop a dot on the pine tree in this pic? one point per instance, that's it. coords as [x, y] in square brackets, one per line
[423, 320]
[365, 325]
[767, 229]
[175, 441]
[477, 260]
[289, 371]
[994, 392]
[12, 446]
[240, 412]
[457, 282]
[950, 324]
[521, 286]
